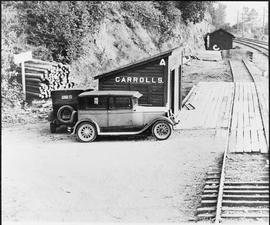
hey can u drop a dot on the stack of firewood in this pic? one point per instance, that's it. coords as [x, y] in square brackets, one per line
[42, 77]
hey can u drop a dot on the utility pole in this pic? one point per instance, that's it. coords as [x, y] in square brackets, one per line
[237, 21]
[263, 20]
[243, 23]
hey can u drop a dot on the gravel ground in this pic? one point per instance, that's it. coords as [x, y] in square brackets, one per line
[110, 180]
[250, 167]
[200, 70]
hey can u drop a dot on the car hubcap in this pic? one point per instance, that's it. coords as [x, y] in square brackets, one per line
[162, 130]
[87, 132]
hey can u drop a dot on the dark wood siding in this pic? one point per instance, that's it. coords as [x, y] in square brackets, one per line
[149, 79]
[221, 39]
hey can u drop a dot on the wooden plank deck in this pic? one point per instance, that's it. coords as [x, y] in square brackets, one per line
[212, 102]
[247, 126]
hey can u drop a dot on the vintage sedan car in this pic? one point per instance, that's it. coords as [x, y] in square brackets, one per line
[118, 113]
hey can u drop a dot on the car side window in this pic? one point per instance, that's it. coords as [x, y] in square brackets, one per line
[93, 103]
[120, 102]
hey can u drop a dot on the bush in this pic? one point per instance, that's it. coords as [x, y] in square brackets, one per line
[59, 26]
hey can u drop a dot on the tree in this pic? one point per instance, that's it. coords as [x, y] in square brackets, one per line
[59, 26]
[218, 14]
[192, 11]
[252, 15]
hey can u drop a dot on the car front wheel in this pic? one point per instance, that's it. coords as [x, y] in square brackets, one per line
[86, 132]
[162, 130]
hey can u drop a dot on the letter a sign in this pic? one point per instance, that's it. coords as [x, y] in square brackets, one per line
[162, 62]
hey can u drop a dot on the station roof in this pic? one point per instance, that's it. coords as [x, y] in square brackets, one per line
[223, 31]
[135, 94]
[136, 63]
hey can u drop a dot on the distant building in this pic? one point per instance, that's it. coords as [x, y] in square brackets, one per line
[218, 40]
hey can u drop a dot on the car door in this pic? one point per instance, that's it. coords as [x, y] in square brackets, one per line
[120, 114]
[94, 108]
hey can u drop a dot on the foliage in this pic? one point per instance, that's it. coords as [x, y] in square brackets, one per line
[249, 24]
[12, 42]
[192, 11]
[218, 15]
[161, 16]
[59, 25]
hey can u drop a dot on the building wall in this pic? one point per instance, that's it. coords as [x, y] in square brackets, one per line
[224, 41]
[174, 67]
[149, 79]
[218, 39]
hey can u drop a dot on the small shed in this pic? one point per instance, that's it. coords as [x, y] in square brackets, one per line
[158, 78]
[218, 40]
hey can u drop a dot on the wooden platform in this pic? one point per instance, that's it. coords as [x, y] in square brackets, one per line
[240, 72]
[247, 133]
[263, 92]
[212, 105]
[262, 87]
[209, 55]
[208, 107]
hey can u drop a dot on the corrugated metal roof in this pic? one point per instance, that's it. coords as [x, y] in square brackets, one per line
[136, 63]
[135, 94]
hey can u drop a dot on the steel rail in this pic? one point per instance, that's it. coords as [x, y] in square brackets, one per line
[222, 175]
[252, 46]
[253, 40]
[265, 47]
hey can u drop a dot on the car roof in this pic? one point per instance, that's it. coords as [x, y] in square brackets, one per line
[135, 94]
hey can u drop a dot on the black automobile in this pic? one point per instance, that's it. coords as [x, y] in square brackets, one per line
[64, 107]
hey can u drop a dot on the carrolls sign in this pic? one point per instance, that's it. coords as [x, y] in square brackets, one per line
[138, 80]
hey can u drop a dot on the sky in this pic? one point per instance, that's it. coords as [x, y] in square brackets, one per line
[234, 6]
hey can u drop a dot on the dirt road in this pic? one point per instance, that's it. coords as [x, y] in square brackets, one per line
[51, 177]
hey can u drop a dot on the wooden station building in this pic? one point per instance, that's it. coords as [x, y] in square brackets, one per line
[158, 78]
[218, 40]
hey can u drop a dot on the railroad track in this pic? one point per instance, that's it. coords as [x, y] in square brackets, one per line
[255, 41]
[255, 44]
[238, 188]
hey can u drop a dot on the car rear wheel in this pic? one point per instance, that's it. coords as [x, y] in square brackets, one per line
[162, 130]
[86, 132]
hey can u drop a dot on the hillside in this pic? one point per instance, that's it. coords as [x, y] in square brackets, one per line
[121, 39]
[107, 35]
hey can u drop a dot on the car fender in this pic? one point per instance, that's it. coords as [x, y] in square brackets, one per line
[162, 118]
[85, 120]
